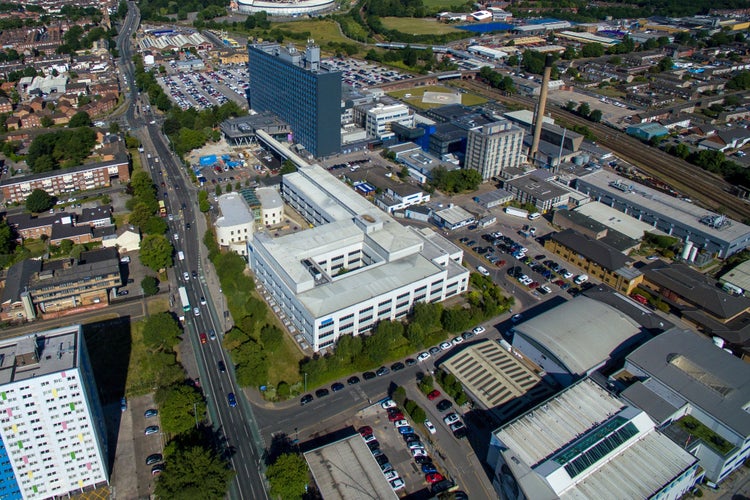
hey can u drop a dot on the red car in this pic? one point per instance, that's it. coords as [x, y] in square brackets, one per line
[433, 477]
[500, 263]
[433, 395]
[640, 298]
[393, 417]
[365, 431]
[204, 338]
[559, 282]
[534, 284]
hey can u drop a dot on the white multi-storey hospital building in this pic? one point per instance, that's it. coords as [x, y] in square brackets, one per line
[356, 265]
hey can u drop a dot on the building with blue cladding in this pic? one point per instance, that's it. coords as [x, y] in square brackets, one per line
[647, 131]
[9, 489]
[291, 84]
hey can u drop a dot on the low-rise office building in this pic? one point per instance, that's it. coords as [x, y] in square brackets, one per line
[380, 118]
[234, 227]
[271, 206]
[697, 393]
[356, 265]
[596, 259]
[537, 189]
[585, 443]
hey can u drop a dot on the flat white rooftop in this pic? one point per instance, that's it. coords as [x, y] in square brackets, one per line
[614, 219]
[657, 202]
[234, 211]
[269, 198]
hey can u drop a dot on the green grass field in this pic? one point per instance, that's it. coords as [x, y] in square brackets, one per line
[417, 26]
[439, 4]
[322, 31]
[417, 93]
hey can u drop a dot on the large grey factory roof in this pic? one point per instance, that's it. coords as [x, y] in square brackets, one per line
[581, 333]
[701, 373]
[657, 202]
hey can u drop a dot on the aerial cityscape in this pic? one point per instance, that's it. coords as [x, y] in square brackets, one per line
[375, 249]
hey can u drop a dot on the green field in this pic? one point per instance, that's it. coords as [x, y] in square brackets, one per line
[415, 98]
[322, 31]
[439, 4]
[413, 26]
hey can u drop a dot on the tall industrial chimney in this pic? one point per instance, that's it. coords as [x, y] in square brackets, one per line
[539, 118]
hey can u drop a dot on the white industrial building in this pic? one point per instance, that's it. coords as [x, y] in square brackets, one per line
[681, 375]
[492, 148]
[379, 119]
[271, 206]
[51, 422]
[234, 227]
[355, 267]
[586, 444]
[488, 52]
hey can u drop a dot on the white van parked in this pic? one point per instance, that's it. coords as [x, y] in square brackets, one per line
[483, 271]
[581, 279]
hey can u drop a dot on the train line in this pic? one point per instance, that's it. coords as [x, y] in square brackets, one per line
[704, 187]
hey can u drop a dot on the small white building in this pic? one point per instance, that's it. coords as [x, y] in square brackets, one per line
[271, 206]
[380, 118]
[235, 224]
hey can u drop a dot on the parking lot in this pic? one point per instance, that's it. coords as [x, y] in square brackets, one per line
[362, 73]
[204, 89]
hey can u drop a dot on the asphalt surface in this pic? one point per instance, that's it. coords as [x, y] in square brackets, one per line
[231, 424]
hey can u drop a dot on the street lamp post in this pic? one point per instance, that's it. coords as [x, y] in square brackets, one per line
[305, 381]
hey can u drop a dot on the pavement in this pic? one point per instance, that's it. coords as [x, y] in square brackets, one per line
[735, 487]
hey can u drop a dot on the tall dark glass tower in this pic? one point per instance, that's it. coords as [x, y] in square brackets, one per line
[290, 84]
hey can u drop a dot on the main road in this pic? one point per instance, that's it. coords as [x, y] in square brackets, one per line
[233, 425]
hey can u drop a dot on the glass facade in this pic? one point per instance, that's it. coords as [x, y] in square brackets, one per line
[309, 101]
[8, 485]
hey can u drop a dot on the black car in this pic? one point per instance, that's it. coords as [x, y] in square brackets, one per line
[373, 445]
[337, 387]
[444, 405]
[411, 362]
[460, 433]
[321, 393]
[382, 371]
[307, 398]
[369, 375]
[352, 380]
[434, 350]
[411, 437]
[195, 274]
[187, 226]
[222, 367]
[154, 459]
[397, 366]
[467, 335]
[382, 459]
[423, 460]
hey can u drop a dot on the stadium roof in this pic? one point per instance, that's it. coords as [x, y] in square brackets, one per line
[347, 470]
[581, 333]
[701, 373]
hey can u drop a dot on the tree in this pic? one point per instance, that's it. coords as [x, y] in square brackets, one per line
[7, 241]
[180, 405]
[155, 225]
[592, 50]
[140, 215]
[217, 191]
[193, 472]
[570, 105]
[46, 121]
[150, 285]
[66, 246]
[80, 119]
[156, 252]
[288, 167]
[288, 476]
[584, 109]
[161, 331]
[596, 116]
[39, 201]
[203, 204]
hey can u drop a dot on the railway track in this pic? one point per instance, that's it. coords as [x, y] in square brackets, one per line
[708, 189]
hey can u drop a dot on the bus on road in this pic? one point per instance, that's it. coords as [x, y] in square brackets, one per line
[184, 299]
[162, 208]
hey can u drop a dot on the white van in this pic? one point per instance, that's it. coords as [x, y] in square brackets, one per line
[483, 271]
[581, 279]
[534, 216]
[180, 255]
